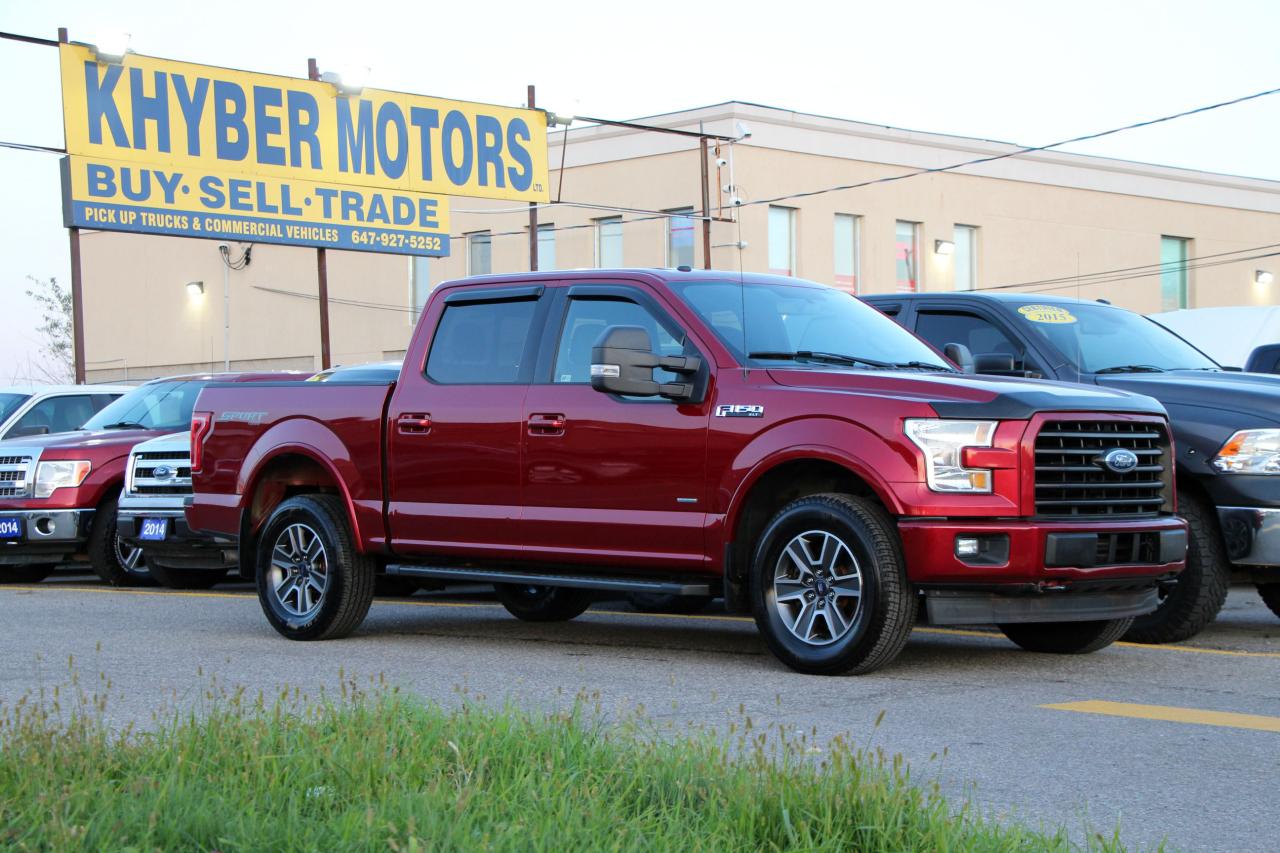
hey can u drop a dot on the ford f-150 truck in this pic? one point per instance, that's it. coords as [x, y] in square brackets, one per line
[58, 493]
[1226, 425]
[771, 439]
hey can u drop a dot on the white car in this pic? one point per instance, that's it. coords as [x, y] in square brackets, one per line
[1227, 335]
[27, 410]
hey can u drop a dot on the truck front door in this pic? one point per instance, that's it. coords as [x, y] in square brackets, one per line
[609, 479]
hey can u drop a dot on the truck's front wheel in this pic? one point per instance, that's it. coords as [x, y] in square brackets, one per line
[1067, 638]
[829, 586]
[312, 582]
[112, 560]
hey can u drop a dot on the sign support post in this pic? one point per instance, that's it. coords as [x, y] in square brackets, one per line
[322, 267]
[533, 214]
[77, 286]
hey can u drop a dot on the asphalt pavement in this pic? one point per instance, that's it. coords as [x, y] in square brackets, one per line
[1175, 743]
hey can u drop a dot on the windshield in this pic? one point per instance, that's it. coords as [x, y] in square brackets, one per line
[160, 405]
[821, 324]
[1100, 339]
[9, 404]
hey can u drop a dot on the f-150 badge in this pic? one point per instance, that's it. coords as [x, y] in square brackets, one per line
[739, 410]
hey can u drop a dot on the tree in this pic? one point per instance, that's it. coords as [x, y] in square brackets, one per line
[56, 363]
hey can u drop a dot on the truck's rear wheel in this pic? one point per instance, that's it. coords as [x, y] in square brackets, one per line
[112, 560]
[1201, 589]
[534, 603]
[1270, 593]
[829, 586]
[26, 574]
[186, 578]
[1067, 638]
[312, 582]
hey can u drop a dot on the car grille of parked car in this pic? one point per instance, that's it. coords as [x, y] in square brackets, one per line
[161, 473]
[15, 476]
[1072, 478]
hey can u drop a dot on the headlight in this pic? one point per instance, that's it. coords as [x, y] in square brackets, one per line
[943, 442]
[58, 475]
[1250, 451]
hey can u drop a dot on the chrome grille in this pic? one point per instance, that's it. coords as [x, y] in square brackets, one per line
[1071, 479]
[15, 476]
[146, 468]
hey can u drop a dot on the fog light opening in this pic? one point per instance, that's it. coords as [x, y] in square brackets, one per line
[967, 546]
[982, 549]
[45, 526]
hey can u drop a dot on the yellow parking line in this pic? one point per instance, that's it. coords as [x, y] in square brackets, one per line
[1170, 714]
[705, 617]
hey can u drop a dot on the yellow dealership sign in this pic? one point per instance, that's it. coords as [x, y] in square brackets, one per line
[170, 147]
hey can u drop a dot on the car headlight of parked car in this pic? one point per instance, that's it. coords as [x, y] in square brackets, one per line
[60, 474]
[943, 443]
[1250, 451]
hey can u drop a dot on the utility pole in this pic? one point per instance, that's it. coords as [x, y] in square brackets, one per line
[706, 207]
[77, 281]
[322, 265]
[533, 213]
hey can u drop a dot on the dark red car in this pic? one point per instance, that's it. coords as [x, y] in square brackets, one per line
[764, 438]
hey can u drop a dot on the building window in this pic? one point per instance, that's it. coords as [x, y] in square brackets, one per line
[782, 240]
[419, 286]
[680, 232]
[906, 255]
[609, 242]
[965, 257]
[546, 247]
[848, 251]
[1173, 272]
[479, 253]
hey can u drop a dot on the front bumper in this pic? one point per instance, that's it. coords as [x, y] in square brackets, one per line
[1044, 554]
[1252, 534]
[48, 535]
[181, 547]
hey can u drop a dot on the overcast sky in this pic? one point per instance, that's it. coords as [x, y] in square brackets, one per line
[1030, 73]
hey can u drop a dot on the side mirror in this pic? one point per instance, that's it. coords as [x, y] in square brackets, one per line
[994, 364]
[1264, 359]
[622, 362]
[959, 353]
[22, 432]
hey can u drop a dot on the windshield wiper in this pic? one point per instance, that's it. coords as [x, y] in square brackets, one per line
[125, 425]
[924, 365]
[822, 357]
[1133, 368]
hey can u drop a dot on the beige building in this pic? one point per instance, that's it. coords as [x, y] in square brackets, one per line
[1146, 237]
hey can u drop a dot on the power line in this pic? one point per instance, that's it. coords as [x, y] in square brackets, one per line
[1162, 266]
[1105, 278]
[355, 303]
[24, 146]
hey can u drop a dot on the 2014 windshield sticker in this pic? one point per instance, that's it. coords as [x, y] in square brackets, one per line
[1047, 314]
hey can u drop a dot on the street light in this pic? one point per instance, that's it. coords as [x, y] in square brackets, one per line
[195, 289]
[111, 48]
[350, 82]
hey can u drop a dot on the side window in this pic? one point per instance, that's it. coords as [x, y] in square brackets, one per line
[59, 414]
[587, 319]
[481, 343]
[980, 335]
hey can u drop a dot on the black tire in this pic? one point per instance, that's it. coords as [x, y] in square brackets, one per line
[112, 560]
[1067, 638]
[543, 603]
[326, 592]
[26, 574]
[1194, 601]
[1270, 593]
[655, 602]
[186, 578]
[877, 623]
[393, 586]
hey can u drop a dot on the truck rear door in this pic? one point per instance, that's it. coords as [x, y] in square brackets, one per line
[610, 479]
[455, 424]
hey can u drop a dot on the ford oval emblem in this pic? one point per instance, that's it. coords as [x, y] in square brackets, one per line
[161, 472]
[1120, 460]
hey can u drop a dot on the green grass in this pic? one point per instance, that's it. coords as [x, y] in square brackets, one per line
[375, 772]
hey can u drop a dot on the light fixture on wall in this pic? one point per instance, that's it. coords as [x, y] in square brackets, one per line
[111, 48]
[944, 247]
[1263, 277]
[195, 289]
[349, 82]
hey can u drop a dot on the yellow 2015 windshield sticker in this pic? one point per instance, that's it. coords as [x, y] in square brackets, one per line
[1047, 314]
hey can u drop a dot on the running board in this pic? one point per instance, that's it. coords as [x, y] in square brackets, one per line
[615, 584]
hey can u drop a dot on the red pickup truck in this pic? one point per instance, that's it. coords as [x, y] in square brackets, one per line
[768, 439]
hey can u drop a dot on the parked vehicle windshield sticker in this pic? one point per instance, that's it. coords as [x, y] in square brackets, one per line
[1046, 314]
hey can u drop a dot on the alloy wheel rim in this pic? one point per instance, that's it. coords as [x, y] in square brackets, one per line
[299, 573]
[817, 588]
[129, 558]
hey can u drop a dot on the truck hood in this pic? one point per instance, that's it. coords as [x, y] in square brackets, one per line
[1256, 395]
[92, 444]
[957, 395]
